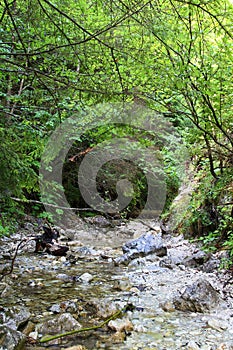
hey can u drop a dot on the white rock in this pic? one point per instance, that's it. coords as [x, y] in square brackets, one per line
[120, 325]
[33, 335]
[86, 277]
[192, 345]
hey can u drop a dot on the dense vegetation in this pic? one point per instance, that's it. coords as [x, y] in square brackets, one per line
[60, 58]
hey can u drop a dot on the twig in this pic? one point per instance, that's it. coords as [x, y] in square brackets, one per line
[14, 257]
[48, 338]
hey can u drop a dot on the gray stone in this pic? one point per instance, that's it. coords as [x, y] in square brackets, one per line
[11, 339]
[211, 265]
[195, 260]
[146, 244]
[197, 297]
[62, 323]
[17, 316]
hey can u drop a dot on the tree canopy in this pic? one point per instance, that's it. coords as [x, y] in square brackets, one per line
[60, 57]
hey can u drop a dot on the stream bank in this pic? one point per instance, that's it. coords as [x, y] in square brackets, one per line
[178, 299]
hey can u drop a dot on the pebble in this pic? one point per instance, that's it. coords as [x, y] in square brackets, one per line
[192, 345]
[86, 277]
[167, 306]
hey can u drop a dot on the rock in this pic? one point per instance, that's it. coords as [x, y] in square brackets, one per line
[121, 325]
[85, 277]
[103, 308]
[167, 306]
[69, 234]
[122, 285]
[224, 347]
[29, 328]
[33, 335]
[197, 297]
[146, 244]
[99, 221]
[116, 338]
[192, 345]
[55, 309]
[29, 227]
[195, 260]
[64, 306]
[217, 325]
[64, 277]
[17, 317]
[167, 263]
[58, 324]
[211, 265]
[11, 339]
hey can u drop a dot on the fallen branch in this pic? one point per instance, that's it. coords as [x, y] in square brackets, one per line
[48, 338]
[50, 205]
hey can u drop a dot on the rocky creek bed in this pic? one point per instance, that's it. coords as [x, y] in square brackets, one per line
[172, 294]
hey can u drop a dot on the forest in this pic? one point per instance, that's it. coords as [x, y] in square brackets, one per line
[73, 67]
[116, 181]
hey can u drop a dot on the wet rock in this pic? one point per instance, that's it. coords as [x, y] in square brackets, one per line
[17, 317]
[62, 323]
[85, 277]
[64, 306]
[146, 244]
[11, 339]
[121, 325]
[103, 308]
[197, 297]
[85, 251]
[64, 277]
[56, 309]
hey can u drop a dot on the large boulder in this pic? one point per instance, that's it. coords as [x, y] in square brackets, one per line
[197, 297]
[146, 244]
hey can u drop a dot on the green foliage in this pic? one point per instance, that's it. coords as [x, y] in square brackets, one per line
[58, 58]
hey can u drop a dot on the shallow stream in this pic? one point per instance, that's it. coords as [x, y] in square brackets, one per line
[40, 281]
